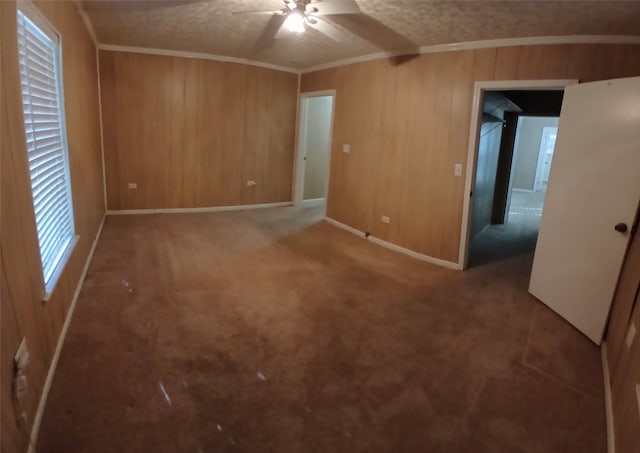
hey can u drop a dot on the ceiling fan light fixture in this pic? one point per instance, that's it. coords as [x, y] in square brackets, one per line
[295, 23]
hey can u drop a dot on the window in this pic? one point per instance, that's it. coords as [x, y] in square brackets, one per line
[42, 100]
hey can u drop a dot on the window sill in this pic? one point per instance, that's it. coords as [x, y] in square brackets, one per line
[51, 286]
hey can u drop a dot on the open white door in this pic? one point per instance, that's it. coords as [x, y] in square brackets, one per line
[593, 194]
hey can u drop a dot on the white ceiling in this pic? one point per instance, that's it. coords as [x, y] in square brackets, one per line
[208, 26]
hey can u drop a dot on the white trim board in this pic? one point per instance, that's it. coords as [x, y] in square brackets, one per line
[198, 55]
[608, 402]
[205, 209]
[313, 200]
[56, 355]
[87, 21]
[301, 129]
[394, 247]
[469, 45]
[489, 43]
[104, 165]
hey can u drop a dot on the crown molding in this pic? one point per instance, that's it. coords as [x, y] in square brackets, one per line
[470, 45]
[198, 55]
[87, 22]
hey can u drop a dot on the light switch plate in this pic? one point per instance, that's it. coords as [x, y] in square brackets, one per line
[458, 170]
[346, 148]
[386, 219]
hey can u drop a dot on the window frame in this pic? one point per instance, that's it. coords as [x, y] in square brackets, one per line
[31, 12]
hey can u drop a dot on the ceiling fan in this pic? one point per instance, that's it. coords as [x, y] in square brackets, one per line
[297, 15]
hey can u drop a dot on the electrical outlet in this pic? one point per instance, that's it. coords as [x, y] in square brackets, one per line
[251, 183]
[346, 148]
[21, 359]
[386, 219]
[457, 171]
[631, 334]
[132, 185]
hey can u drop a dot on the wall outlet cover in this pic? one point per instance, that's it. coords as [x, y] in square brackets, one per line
[251, 183]
[346, 148]
[386, 219]
[132, 185]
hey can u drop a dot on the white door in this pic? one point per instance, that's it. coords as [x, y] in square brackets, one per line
[545, 156]
[593, 191]
[314, 147]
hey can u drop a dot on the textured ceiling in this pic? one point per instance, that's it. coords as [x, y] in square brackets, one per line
[208, 26]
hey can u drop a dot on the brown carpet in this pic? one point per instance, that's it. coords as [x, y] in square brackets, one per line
[273, 331]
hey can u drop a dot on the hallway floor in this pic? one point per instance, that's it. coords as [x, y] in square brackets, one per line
[273, 331]
[516, 237]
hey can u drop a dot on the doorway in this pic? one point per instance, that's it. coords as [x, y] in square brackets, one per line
[531, 163]
[314, 148]
[510, 155]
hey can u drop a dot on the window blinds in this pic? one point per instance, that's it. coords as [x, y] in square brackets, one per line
[46, 144]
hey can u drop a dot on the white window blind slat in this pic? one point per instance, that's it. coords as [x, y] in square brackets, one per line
[35, 80]
[36, 41]
[38, 53]
[45, 151]
[51, 230]
[39, 95]
[38, 56]
[45, 175]
[43, 109]
[42, 61]
[44, 70]
[47, 166]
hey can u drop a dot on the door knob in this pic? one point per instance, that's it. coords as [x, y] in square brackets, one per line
[621, 227]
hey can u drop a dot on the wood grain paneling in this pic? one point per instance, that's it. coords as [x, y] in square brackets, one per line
[23, 312]
[623, 359]
[408, 126]
[191, 133]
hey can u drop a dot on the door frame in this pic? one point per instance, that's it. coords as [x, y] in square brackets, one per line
[479, 89]
[537, 182]
[514, 158]
[297, 190]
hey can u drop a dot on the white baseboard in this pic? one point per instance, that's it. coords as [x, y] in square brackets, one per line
[345, 227]
[56, 355]
[394, 247]
[608, 402]
[206, 209]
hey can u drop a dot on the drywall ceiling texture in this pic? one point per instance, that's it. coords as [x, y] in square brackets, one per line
[208, 26]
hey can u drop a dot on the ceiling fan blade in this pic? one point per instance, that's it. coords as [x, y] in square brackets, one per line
[105, 6]
[268, 35]
[264, 11]
[332, 7]
[374, 32]
[325, 28]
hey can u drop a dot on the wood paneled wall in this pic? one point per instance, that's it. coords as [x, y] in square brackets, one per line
[408, 125]
[23, 314]
[623, 358]
[191, 133]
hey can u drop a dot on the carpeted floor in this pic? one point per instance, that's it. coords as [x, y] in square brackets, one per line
[273, 331]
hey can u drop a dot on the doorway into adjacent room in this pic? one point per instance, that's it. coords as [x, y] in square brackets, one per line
[515, 139]
[314, 148]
